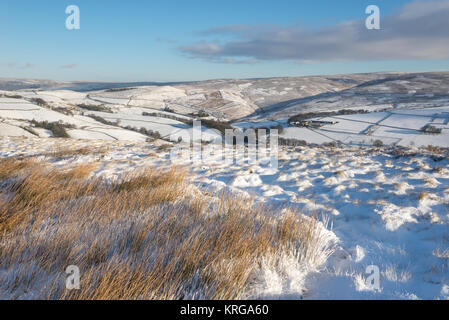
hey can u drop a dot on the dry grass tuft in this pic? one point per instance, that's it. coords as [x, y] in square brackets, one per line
[10, 167]
[151, 179]
[70, 152]
[145, 236]
[40, 188]
[80, 171]
[423, 195]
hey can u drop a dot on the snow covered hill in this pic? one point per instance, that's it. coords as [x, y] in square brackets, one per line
[396, 107]
[366, 153]
[390, 91]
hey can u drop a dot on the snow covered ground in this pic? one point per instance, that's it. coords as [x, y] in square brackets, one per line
[384, 209]
[389, 212]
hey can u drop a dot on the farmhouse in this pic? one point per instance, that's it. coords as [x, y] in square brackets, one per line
[313, 123]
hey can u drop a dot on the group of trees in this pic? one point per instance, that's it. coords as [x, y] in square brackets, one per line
[164, 115]
[11, 96]
[103, 120]
[40, 102]
[292, 142]
[57, 128]
[310, 115]
[214, 124]
[93, 107]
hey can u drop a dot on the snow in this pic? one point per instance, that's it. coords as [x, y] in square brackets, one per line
[376, 213]
[311, 136]
[12, 100]
[380, 210]
[394, 128]
[13, 131]
[120, 134]
[89, 134]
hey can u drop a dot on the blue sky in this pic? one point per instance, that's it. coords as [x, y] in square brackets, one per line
[138, 40]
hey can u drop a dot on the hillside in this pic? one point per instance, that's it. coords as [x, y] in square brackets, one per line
[389, 107]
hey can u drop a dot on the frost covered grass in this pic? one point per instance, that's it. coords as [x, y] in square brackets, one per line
[146, 235]
[9, 167]
[388, 207]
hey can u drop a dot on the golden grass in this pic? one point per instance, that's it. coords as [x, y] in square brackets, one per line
[80, 171]
[62, 151]
[10, 167]
[145, 236]
[39, 188]
[423, 195]
[150, 179]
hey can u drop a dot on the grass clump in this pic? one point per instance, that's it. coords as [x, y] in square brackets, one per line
[9, 167]
[145, 235]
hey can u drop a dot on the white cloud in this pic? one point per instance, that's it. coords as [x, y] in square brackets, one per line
[68, 66]
[418, 31]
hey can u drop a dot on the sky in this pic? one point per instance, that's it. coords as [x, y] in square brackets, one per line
[137, 40]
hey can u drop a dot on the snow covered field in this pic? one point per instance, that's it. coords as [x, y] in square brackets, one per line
[383, 208]
[396, 127]
[114, 115]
